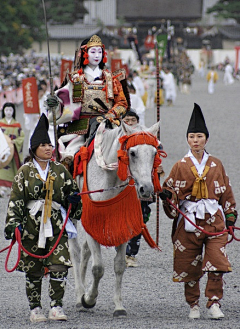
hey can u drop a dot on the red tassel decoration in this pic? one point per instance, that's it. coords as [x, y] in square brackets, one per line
[86, 61]
[122, 164]
[104, 57]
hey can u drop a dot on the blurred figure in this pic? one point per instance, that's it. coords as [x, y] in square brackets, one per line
[137, 104]
[212, 78]
[228, 74]
[12, 128]
[169, 86]
[139, 83]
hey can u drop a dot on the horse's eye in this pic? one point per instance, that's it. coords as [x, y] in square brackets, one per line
[132, 153]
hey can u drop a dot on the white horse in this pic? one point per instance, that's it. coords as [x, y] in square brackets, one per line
[141, 159]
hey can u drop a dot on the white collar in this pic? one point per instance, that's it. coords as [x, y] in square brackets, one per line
[8, 120]
[199, 166]
[96, 73]
[42, 173]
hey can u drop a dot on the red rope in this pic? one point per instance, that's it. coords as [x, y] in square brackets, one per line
[230, 230]
[20, 246]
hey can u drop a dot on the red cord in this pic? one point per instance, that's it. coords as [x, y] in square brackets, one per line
[230, 230]
[20, 246]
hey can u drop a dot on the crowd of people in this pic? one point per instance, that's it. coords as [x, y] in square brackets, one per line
[15, 67]
[42, 188]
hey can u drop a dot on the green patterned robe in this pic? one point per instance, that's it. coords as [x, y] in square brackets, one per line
[28, 186]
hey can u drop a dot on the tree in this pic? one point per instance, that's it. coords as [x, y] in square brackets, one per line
[65, 12]
[226, 9]
[20, 24]
[22, 21]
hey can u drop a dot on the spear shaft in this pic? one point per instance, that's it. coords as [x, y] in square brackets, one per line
[51, 84]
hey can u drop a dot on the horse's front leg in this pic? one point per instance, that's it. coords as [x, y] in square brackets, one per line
[89, 299]
[75, 252]
[119, 268]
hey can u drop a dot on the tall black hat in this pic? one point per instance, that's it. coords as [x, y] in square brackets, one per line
[197, 123]
[40, 134]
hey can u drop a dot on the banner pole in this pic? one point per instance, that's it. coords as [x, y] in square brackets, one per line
[158, 119]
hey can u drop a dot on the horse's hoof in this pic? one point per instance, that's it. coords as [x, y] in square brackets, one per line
[120, 314]
[85, 305]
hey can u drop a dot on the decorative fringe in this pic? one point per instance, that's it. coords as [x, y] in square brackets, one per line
[114, 221]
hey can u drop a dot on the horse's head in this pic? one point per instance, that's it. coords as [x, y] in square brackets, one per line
[141, 156]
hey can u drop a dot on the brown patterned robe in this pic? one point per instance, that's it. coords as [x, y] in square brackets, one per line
[189, 260]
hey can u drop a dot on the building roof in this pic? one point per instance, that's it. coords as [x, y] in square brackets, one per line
[231, 32]
[72, 32]
[159, 9]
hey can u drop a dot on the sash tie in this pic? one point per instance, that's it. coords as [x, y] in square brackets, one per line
[48, 198]
[199, 189]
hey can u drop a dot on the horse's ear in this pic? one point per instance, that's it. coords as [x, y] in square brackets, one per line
[154, 128]
[127, 130]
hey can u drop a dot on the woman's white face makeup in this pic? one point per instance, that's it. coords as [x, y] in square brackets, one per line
[8, 111]
[94, 56]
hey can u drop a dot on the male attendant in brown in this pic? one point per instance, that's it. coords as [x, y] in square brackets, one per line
[200, 187]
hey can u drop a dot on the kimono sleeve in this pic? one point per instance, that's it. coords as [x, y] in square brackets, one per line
[168, 184]
[227, 199]
[76, 209]
[120, 103]
[16, 206]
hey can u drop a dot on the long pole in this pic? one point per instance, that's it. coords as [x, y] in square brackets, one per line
[51, 84]
[158, 119]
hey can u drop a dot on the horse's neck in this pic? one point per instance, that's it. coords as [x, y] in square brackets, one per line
[110, 145]
[97, 177]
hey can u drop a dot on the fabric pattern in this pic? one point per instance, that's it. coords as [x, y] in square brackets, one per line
[189, 261]
[28, 186]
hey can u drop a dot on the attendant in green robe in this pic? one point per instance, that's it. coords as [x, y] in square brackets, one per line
[12, 128]
[41, 193]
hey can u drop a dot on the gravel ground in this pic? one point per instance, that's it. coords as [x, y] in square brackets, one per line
[151, 298]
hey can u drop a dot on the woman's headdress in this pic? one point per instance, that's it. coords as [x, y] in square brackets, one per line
[40, 134]
[197, 122]
[94, 41]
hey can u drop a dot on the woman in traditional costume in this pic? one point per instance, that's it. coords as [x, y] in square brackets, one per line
[199, 186]
[90, 91]
[12, 128]
[41, 192]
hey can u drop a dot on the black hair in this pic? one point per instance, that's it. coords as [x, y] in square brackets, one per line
[31, 154]
[131, 113]
[9, 105]
[43, 82]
